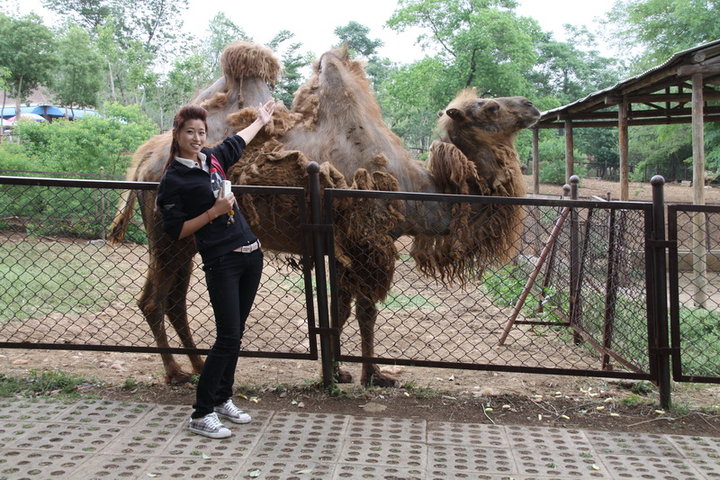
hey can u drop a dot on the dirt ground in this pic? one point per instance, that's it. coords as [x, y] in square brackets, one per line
[431, 393]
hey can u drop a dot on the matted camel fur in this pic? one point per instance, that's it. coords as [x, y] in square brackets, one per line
[336, 121]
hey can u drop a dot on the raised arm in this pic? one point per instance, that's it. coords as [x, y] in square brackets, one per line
[264, 115]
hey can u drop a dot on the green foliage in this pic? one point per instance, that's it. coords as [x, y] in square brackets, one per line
[660, 28]
[552, 160]
[355, 35]
[506, 284]
[153, 23]
[410, 98]
[223, 31]
[78, 77]
[294, 61]
[568, 71]
[40, 383]
[662, 149]
[700, 340]
[85, 145]
[26, 54]
[481, 43]
[187, 76]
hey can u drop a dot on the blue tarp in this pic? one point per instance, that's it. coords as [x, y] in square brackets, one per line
[48, 111]
[78, 113]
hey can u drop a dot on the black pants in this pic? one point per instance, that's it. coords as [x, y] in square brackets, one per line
[232, 281]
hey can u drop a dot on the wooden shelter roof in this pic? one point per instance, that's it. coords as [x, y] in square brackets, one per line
[661, 95]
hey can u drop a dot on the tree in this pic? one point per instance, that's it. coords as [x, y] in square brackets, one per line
[154, 23]
[569, 71]
[86, 13]
[410, 98]
[129, 68]
[78, 77]
[663, 149]
[223, 31]
[182, 82]
[356, 37]
[293, 61]
[27, 53]
[481, 42]
[660, 28]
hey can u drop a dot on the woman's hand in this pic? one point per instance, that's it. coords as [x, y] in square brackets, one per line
[222, 205]
[265, 111]
[263, 117]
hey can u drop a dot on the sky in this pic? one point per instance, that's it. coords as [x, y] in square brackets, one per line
[314, 26]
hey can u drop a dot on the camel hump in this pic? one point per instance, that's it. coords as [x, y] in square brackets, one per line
[245, 59]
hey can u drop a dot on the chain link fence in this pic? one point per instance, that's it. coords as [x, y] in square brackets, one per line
[573, 298]
[694, 265]
[63, 285]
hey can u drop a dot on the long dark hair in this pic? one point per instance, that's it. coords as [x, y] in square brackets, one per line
[187, 112]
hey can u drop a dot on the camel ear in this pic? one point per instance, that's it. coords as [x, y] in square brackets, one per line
[492, 108]
[455, 114]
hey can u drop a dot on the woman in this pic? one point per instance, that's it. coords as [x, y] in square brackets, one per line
[231, 255]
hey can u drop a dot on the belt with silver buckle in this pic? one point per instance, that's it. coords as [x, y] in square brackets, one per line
[249, 248]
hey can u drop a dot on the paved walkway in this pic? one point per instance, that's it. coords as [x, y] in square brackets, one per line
[97, 439]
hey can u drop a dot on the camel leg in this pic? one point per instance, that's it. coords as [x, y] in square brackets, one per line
[344, 302]
[366, 313]
[154, 314]
[160, 282]
[176, 307]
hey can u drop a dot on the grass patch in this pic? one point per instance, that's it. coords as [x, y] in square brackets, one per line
[700, 341]
[42, 383]
[398, 301]
[54, 277]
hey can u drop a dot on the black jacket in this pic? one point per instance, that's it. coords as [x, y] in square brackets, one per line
[184, 193]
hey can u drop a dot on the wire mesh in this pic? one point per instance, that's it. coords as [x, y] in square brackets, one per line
[444, 322]
[62, 283]
[697, 300]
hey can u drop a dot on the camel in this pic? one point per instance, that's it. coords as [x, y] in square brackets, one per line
[336, 122]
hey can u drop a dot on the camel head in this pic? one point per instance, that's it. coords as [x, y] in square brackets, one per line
[470, 119]
[484, 130]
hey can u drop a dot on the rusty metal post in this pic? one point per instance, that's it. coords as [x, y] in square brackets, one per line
[574, 258]
[658, 313]
[324, 331]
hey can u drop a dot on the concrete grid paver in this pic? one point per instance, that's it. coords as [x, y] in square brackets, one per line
[100, 440]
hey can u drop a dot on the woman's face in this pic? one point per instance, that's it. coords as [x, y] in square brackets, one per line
[191, 138]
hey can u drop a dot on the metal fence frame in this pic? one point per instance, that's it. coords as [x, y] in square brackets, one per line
[674, 212]
[320, 316]
[651, 251]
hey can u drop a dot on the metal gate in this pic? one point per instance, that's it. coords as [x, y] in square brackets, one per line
[583, 296]
[694, 276]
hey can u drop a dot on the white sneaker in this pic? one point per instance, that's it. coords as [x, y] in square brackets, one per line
[209, 426]
[232, 413]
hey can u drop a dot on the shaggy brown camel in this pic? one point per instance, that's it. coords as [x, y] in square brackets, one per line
[336, 121]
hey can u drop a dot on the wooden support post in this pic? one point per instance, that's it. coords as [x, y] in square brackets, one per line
[698, 238]
[569, 150]
[623, 149]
